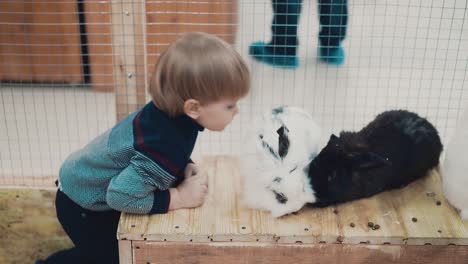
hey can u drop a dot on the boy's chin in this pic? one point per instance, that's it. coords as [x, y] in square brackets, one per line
[217, 129]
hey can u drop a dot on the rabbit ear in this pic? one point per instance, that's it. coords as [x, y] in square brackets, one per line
[278, 110]
[334, 142]
[334, 145]
[370, 160]
[333, 138]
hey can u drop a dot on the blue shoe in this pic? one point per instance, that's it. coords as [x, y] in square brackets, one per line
[39, 262]
[258, 50]
[332, 54]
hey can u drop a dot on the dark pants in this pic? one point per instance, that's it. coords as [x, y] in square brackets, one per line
[286, 13]
[93, 233]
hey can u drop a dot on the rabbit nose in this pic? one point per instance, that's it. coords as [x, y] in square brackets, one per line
[260, 136]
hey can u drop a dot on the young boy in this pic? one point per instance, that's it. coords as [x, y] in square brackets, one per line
[142, 165]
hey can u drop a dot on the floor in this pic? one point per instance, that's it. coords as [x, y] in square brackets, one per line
[399, 54]
[30, 230]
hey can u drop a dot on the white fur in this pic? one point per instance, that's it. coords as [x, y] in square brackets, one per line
[455, 168]
[260, 168]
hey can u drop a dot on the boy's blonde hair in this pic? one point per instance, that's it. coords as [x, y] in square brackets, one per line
[198, 66]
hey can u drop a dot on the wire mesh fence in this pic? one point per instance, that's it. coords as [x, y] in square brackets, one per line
[70, 70]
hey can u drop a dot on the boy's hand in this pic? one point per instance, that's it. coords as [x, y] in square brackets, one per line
[190, 170]
[191, 192]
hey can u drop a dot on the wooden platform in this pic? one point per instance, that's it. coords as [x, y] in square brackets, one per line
[413, 221]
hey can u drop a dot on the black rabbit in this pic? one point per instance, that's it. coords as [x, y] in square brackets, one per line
[395, 149]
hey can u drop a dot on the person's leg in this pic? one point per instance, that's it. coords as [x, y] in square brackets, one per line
[333, 23]
[65, 211]
[286, 15]
[281, 50]
[92, 233]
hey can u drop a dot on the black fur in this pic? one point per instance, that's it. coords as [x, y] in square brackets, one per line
[395, 149]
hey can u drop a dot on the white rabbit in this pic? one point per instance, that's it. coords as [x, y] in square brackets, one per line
[455, 168]
[274, 161]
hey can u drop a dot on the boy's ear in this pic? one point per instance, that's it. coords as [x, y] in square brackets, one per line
[192, 108]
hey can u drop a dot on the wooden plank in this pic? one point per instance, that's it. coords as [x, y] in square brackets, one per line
[132, 227]
[427, 216]
[187, 225]
[125, 252]
[223, 217]
[141, 76]
[120, 71]
[226, 253]
[127, 42]
[394, 212]
[99, 41]
[374, 221]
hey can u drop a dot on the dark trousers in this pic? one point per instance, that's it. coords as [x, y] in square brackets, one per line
[93, 234]
[286, 13]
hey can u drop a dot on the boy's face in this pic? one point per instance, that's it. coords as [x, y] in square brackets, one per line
[217, 115]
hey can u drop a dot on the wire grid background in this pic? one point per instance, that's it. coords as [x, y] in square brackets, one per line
[410, 54]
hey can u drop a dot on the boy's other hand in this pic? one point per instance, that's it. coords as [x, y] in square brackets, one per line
[191, 170]
[190, 193]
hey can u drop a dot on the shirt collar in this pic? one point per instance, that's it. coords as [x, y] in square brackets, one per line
[182, 121]
[186, 122]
